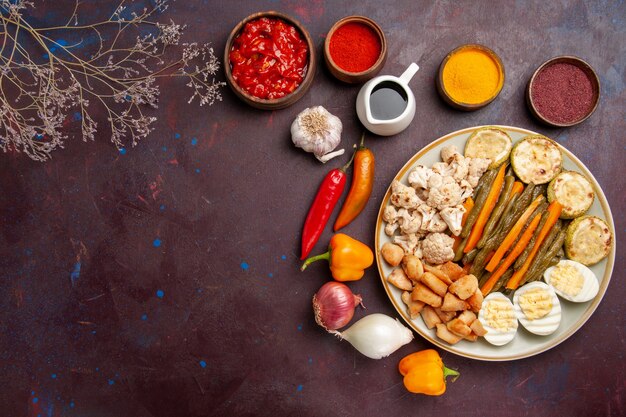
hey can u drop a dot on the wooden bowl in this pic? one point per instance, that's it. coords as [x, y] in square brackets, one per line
[591, 74]
[279, 103]
[468, 106]
[356, 77]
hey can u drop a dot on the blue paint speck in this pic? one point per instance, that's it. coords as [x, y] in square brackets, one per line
[270, 275]
[202, 364]
[300, 387]
[97, 369]
[75, 274]
[53, 376]
[162, 207]
[122, 151]
[160, 293]
[300, 327]
[310, 360]
[28, 252]
[111, 382]
[245, 266]
[32, 393]
[35, 400]
[176, 135]
[197, 170]
[283, 257]
[194, 141]
[78, 117]
[164, 149]
[156, 242]
[71, 404]
[144, 317]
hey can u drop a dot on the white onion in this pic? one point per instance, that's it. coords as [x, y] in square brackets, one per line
[377, 335]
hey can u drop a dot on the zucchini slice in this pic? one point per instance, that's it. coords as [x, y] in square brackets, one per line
[536, 159]
[574, 191]
[491, 143]
[588, 240]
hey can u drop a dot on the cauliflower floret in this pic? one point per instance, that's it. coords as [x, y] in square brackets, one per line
[410, 222]
[427, 213]
[437, 224]
[437, 248]
[435, 180]
[404, 196]
[453, 217]
[449, 152]
[390, 228]
[448, 194]
[477, 167]
[460, 167]
[443, 169]
[407, 242]
[466, 189]
[390, 214]
[418, 177]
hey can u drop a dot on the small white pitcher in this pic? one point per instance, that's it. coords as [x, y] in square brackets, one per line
[387, 127]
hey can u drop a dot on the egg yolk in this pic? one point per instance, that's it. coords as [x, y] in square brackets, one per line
[567, 279]
[499, 314]
[535, 303]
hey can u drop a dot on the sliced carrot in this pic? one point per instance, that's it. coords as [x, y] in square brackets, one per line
[513, 233]
[554, 211]
[468, 205]
[517, 188]
[485, 212]
[515, 252]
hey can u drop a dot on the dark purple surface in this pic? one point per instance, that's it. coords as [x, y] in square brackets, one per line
[164, 281]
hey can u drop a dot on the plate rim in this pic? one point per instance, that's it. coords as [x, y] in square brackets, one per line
[601, 197]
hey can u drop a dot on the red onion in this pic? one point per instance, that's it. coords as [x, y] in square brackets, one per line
[334, 305]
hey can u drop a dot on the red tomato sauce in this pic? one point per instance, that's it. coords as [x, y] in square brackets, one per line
[269, 58]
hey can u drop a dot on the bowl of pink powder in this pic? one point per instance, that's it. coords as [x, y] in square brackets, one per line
[563, 91]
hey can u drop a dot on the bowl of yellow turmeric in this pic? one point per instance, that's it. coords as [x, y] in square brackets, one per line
[470, 77]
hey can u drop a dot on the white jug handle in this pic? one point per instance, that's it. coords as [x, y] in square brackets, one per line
[409, 73]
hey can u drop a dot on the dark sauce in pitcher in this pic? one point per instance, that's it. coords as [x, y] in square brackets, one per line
[388, 100]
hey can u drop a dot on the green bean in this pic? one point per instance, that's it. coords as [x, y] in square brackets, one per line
[483, 278]
[541, 208]
[537, 269]
[524, 200]
[513, 217]
[509, 171]
[497, 210]
[487, 178]
[507, 212]
[458, 255]
[539, 189]
[481, 259]
[469, 256]
[502, 280]
[524, 255]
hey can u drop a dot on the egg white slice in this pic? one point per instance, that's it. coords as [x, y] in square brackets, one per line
[542, 326]
[590, 282]
[494, 335]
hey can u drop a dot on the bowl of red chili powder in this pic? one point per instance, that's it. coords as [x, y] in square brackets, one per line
[269, 60]
[355, 49]
[563, 91]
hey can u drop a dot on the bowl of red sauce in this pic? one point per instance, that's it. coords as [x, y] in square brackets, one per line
[355, 49]
[269, 60]
[563, 91]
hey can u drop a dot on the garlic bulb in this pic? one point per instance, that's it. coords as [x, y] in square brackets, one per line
[376, 335]
[318, 131]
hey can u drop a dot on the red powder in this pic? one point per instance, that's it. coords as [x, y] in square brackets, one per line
[354, 47]
[563, 93]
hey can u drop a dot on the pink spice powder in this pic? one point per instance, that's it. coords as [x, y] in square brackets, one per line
[563, 93]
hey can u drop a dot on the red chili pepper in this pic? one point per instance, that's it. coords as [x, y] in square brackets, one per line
[326, 199]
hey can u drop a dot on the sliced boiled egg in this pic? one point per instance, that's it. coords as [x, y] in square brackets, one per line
[572, 281]
[538, 308]
[498, 317]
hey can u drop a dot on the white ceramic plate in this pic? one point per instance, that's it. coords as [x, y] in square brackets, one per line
[525, 344]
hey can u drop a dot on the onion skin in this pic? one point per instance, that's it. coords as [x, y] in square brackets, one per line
[334, 304]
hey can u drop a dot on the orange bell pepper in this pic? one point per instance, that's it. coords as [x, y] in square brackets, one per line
[425, 373]
[347, 256]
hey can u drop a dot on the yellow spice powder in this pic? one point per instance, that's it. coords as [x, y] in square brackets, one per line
[471, 76]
